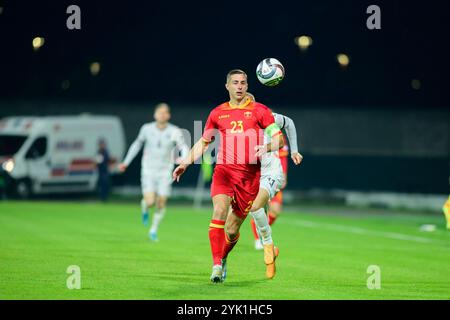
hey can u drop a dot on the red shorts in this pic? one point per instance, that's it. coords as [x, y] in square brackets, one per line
[278, 198]
[241, 186]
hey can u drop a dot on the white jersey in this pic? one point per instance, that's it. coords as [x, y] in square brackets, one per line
[270, 162]
[159, 145]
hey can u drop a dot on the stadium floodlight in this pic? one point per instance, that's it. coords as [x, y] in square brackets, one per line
[416, 84]
[343, 59]
[94, 68]
[37, 43]
[303, 42]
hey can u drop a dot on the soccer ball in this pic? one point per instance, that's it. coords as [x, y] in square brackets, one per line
[270, 72]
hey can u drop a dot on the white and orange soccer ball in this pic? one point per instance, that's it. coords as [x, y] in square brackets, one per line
[270, 72]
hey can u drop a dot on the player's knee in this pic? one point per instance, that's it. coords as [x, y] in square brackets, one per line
[255, 207]
[149, 202]
[220, 212]
[232, 230]
[275, 210]
[260, 201]
[161, 203]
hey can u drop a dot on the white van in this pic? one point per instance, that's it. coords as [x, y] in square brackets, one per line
[56, 154]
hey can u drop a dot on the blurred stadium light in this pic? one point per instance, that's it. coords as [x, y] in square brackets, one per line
[303, 42]
[416, 84]
[37, 43]
[343, 60]
[95, 68]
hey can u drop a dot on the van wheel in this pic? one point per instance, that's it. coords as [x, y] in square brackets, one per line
[23, 189]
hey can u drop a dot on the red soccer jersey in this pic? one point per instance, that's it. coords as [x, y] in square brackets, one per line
[240, 129]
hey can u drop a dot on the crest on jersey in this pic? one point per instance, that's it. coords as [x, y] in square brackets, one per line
[248, 114]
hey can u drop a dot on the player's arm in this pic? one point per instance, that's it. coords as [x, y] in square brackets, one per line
[288, 125]
[284, 166]
[195, 153]
[133, 150]
[276, 141]
[271, 129]
[181, 145]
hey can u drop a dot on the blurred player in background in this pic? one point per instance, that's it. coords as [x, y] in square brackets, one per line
[273, 179]
[102, 160]
[159, 138]
[237, 172]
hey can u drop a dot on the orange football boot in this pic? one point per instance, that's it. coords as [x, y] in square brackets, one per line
[270, 255]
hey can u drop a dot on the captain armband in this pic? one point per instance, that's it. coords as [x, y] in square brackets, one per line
[272, 130]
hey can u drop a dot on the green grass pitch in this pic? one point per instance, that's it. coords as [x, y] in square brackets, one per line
[323, 254]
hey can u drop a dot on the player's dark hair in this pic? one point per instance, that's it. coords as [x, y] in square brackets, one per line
[235, 71]
[162, 105]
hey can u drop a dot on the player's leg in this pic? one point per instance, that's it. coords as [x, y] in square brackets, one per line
[245, 190]
[260, 218]
[148, 196]
[232, 234]
[147, 202]
[275, 207]
[232, 227]
[268, 188]
[158, 216]
[258, 243]
[221, 204]
[163, 190]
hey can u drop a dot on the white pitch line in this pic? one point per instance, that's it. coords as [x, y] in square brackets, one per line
[362, 231]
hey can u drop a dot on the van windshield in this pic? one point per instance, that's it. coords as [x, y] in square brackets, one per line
[10, 144]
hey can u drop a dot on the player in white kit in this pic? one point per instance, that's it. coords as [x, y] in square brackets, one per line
[272, 178]
[160, 139]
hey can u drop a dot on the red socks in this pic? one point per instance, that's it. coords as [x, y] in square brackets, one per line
[229, 245]
[255, 232]
[221, 245]
[272, 218]
[217, 240]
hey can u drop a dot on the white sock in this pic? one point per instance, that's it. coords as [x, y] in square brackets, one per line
[262, 224]
[157, 218]
[144, 207]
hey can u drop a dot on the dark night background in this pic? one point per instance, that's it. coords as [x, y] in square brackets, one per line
[180, 51]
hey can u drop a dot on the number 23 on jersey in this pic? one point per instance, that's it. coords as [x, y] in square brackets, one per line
[237, 126]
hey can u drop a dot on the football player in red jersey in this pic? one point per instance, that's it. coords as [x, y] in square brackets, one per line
[240, 124]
